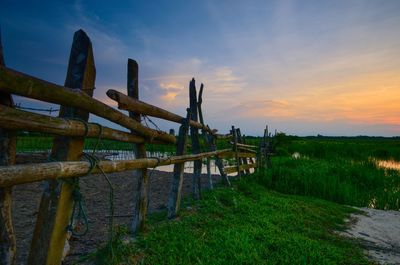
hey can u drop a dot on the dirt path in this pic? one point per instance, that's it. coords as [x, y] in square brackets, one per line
[96, 192]
[379, 234]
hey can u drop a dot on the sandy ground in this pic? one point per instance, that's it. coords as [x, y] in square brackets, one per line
[378, 232]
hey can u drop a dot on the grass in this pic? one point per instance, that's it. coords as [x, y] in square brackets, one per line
[342, 170]
[248, 224]
[352, 148]
[340, 180]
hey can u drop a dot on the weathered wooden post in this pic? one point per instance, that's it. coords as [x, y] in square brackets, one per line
[206, 136]
[267, 142]
[235, 149]
[210, 140]
[174, 199]
[194, 134]
[244, 141]
[8, 140]
[243, 160]
[143, 184]
[56, 205]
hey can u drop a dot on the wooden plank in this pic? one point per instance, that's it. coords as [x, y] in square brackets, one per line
[21, 84]
[174, 199]
[130, 104]
[7, 157]
[14, 119]
[28, 173]
[56, 205]
[194, 135]
[234, 169]
[143, 184]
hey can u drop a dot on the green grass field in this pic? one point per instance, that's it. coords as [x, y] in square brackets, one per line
[247, 224]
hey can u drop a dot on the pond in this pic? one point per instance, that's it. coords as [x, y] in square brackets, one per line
[125, 155]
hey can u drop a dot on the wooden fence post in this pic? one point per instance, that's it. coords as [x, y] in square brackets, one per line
[243, 160]
[242, 141]
[194, 133]
[56, 205]
[174, 198]
[8, 140]
[235, 149]
[206, 136]
[143, 184]
[210, 139]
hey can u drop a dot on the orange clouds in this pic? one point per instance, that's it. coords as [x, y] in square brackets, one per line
[370, 99]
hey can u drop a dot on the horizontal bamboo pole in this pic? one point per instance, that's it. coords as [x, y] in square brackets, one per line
[247, 150]
[223, 137]
[27, 173]
[233, 169]
[245, 145]
[21, 84]
[131, 104]
[19, 120]
[240, 155]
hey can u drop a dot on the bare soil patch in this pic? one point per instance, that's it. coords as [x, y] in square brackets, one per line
[95, 189]
[378, 232]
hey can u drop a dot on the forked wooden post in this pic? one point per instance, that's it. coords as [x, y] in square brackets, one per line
[210, 139]
[174, 199]
[235, 149]
[8, 141]
[194, 133]
[143, 184]
[206, 136]
[55, 209]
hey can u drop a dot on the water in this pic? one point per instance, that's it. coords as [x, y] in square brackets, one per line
[389, 164]
[188, 168]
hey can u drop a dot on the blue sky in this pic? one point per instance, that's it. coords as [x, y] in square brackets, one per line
[303, 67]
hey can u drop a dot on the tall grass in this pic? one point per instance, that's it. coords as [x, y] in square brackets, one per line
[349, 148]
[358, 183]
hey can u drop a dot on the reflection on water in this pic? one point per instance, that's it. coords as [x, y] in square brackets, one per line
[128, 155]
[296, 155]
[389, 164]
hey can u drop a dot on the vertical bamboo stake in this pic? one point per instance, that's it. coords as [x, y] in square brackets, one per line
[55, 209]
[8, 140]
[143, 185]
[194, 133]
[235, 149]
[175, 195]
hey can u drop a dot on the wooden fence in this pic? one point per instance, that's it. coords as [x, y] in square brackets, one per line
[68, 162]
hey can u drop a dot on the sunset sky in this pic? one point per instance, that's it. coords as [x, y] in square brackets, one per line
[303, 67]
